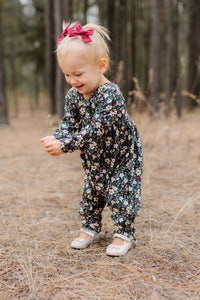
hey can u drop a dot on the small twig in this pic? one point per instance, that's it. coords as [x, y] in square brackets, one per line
[178, 214]
[194, 85]
[142, 97]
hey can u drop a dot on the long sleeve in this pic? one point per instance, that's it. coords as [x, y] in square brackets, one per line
[109, 110]
[70, 122]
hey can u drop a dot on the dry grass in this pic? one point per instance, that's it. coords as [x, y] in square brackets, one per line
[39, 198]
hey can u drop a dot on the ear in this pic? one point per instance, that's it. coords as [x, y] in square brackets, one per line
[103, 64]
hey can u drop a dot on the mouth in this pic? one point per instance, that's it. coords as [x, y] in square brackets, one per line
[79, 87]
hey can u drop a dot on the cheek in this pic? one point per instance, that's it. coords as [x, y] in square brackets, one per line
[83, 78]
[67, 79]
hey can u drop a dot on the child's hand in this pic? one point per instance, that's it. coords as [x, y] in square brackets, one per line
[48, 138]
[52, 145]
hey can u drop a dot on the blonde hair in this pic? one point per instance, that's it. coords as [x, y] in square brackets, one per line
[94, 50]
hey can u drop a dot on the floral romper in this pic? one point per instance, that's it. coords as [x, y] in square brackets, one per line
[111, 155]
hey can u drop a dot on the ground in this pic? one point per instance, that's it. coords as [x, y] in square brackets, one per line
[39, 198]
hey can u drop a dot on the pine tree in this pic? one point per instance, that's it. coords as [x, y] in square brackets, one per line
[3, 105]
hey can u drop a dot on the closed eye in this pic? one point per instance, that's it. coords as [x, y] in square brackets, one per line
[77, 75]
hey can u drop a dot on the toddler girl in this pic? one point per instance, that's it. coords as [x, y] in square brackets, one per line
[96, 123]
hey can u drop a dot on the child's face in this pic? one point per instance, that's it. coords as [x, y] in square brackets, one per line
[82, 74]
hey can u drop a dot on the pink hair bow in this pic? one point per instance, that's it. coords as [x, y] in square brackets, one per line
[78, 30]
[64, 33]
[75, 31]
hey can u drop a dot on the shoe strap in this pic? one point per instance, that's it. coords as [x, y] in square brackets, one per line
[89, 232]
[123, 237]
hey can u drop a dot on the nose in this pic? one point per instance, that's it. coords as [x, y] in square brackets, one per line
[71, 81]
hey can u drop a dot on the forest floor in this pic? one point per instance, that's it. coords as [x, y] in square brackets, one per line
[39, 199]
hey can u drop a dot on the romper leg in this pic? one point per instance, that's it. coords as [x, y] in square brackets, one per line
[124, 224]
[94, 198]
[124, 200]
[91, 207]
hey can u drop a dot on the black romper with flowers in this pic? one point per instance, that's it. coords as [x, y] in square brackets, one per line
[111, 154]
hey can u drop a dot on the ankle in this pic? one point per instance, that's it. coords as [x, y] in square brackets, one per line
[118, 241]
[84, 236]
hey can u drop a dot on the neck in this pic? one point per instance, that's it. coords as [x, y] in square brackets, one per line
[102, 81]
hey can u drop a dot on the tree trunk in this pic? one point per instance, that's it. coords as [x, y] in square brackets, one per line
[3, 105]
[123, 4]
[111, 28]
[68, 10]
[85, 11]
[155, 55]
[146, 68]
[50, 55]
[14, 81]
[100, 9]
[59, 76]
[194, 49]
[133, 38]
[168, 83]
[179, 62]
[37, 87]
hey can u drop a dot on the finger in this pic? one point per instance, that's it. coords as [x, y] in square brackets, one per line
[48, 143]
[46, 146]
[47, 138]
[53, 153]
[50, 152]
[49, 148]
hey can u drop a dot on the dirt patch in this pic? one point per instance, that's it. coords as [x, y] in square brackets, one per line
[39, 197]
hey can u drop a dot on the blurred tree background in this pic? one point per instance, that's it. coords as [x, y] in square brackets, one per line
[155, 51]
